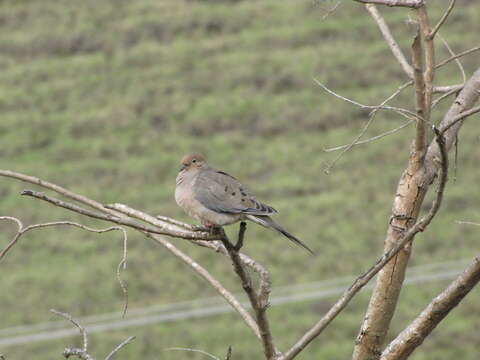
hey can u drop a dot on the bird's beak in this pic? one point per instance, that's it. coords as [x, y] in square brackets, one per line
[183, 167]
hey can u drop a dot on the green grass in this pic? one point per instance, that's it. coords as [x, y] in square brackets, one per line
[105, 97]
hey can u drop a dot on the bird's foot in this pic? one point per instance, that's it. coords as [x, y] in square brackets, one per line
[211, 228]
[241, 235]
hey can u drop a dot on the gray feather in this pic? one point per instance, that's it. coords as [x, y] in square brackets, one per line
[267, 222]
[221, 192]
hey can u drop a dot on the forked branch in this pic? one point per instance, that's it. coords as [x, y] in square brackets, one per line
[258, 300]
[413, 336]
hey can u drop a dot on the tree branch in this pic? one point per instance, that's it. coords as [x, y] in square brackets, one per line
[400, 3]
[121, 218]
[161, 228]
[412, 336]
[361, 281]
[259, 301]
[119, 346]
[457, 60]
[408, 200]
[421, 133]
[385, 30]
[442, 20]
[459, 55]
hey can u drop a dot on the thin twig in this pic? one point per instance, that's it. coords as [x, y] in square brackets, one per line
[372, 114]
[161, 229]
[331, 10]
[400, 3]
[467, 223]
[457, 60]
[447, 88]
[119, 346]
[460, 117]
[77, 324]
[193, 350]
[459, 55]
[403, 112]
[392, 43]
[22, 230]
[442, 20]
[373, 138]
[443, 96]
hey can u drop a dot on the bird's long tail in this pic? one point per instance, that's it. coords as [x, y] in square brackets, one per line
[267, 222]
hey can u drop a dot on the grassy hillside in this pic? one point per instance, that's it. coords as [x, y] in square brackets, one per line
[104, 97]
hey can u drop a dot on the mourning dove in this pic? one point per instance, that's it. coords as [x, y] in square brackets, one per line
[217, 198]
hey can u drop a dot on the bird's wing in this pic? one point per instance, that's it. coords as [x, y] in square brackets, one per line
[221, 192]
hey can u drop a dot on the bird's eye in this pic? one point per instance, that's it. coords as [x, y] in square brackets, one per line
[194, 161]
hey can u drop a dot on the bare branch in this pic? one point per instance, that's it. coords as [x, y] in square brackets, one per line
[193, 350]
[58, 189]
[459, 55]
[77, 324]
[468, 223]
[216, 246]
[331, 10]
[258, 301]
[457, 60]
[161, 228]
[412, 336]
[460, 117]
[429, 69]
[448, 88]
[374, 138]
[400, 3]
[442, 20]
[385, 30]
[404, 112]
[421, 133]
[444, 96]
[367, 125]
[408, 200]
[169, 220]
[119, 346]
[22, 230]
[15, 238]
[230, 298]
[362, 280]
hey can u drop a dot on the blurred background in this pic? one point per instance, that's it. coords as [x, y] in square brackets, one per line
[105, 97]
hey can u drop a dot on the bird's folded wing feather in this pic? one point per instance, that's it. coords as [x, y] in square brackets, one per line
[221, 192]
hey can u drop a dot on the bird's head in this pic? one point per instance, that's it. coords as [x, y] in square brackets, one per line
[194, 161]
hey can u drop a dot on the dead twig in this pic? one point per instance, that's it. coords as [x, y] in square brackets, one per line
[392, 43]
[467, 223]
[258, 301]
[442, 20]
[459, 55]
[373, 138]
[119, 346]
[400, 3]
[457, 60]
[193, 350]
[80, 353]
[161, 228]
